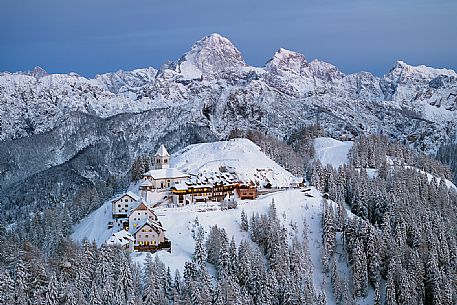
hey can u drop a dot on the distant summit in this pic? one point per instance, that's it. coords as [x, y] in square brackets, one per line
[287, 61]
[212, 54]
[37, 72]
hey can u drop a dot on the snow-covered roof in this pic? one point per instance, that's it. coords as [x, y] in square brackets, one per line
[121, 238]
[162, 152]
[129, 193]
[181, 186]
[142, 206]
[146, 182]
[166, 173]
[149, 222]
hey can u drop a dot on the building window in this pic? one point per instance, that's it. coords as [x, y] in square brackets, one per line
[165, 161]
[126, 205]
[146, 236]
[118, 205]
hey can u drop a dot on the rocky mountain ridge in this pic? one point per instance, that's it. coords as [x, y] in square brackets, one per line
[214, 83]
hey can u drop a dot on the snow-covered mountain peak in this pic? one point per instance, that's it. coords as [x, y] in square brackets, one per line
[326, 71]
[210, 55]
[38, 72]
[433, 90]
[287, 61]
[402, 68]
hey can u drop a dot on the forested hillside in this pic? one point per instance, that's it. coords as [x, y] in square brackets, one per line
[395, 228]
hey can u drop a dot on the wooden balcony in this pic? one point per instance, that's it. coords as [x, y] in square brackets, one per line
[166, 245]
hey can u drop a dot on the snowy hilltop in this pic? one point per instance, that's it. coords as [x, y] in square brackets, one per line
[239, 156]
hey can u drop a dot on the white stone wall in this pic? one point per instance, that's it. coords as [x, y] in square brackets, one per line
[122, 205]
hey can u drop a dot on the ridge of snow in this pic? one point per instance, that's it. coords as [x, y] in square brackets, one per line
[422, 69]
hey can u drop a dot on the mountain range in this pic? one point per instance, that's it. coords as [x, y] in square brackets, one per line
[224, 92]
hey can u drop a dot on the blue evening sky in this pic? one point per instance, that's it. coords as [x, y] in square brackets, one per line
[97, 36]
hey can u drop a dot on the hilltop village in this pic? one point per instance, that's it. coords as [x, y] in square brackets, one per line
[134, 221]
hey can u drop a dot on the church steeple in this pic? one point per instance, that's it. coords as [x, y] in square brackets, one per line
[162, 158]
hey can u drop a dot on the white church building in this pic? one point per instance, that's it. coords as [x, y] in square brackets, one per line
[162, 176]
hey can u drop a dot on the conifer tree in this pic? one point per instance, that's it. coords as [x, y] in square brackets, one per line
[52, 293]
[21, 283]
[244, 221]
[6, 288]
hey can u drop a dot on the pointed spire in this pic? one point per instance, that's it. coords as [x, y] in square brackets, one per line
[162, 152]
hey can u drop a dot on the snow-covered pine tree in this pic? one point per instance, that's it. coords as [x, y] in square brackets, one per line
[21, 283]
[52, 293]
[244, 221]
[6, 288]
[359, 270]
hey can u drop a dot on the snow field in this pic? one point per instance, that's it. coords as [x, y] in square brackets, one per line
[240, 155]
[331, 151]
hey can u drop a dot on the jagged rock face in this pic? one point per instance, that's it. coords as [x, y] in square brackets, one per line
[127, 81]
[216, 89]
[286, 62]
[211, 55]
[430, 92]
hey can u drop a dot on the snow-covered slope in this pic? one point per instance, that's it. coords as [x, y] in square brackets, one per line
[292, 203]
[448, 183]
[293, 206]
[331, 151]
[240, 156]
[335, 153]
[95, 226]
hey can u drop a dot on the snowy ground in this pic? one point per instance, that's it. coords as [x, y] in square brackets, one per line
[95, 226]
[331, 151]
[240, 155]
